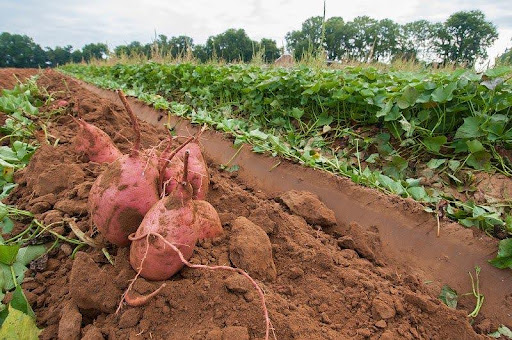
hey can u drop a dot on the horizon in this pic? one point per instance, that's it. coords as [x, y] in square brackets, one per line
[119, 23]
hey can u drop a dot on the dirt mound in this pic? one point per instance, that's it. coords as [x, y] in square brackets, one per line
[318, 285]
[10, 76]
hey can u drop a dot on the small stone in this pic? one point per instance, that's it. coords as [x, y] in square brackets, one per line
[364, 332]
[295, 273]
[66, 249]
[325, 318]
[381, 324]
[237, 284]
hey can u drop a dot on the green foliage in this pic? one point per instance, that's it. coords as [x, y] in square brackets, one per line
[504, 258]
[503, 331]
[462, 38]
[449, 296]
[469, 36]
[18, 325]
[379, 129]
[232, 45]
[20, 51]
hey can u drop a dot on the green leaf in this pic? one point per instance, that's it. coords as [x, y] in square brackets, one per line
[30, 253]
[18, 325]
[434, 143]
[498, 71]
[20, 302]
[296, 113]
[435, 163]
[408, 98]
[396, 167]
[504, 257]
[474, 146]
[7, 225]
[258, 134]
[324, 119]
[372, 158]
[470, 128]
[480, 160]
[444, 93]
[502, 331]
[393, 186]
[449, 296]
[453, 164]
[418, 193]
[8, 253]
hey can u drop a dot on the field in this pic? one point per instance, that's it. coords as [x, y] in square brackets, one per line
[415, 168]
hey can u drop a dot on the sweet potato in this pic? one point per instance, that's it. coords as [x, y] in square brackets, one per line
[180, 221]
[95, 143]
[125, 191]
[197, 171]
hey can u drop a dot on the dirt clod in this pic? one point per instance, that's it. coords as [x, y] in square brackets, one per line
[309, 206]
[92, 332]
[250, 249]
[72, 207]
[382, 307]
[70, 323]
[91, 287]
[130, 318]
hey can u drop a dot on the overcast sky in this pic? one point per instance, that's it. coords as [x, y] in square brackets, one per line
[115, 22]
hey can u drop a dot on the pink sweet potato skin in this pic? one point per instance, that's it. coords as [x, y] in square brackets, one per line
[95, 143]
[122, 195]
[180, 223]
[197, 172]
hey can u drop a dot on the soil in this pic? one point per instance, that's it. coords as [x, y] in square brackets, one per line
[321, 281]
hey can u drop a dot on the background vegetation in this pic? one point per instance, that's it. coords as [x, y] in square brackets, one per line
[462, 39]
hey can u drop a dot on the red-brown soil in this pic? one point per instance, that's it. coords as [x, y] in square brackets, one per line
[321, 281]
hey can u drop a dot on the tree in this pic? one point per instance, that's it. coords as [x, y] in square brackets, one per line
[59, 55]
[416, 41]
[231, 45]
[361, 35]
[271, 52]
[335, 38]
[98, 51]
[133, 49]
[20, 51]
[465, 37]
[178, 45]
[307, 40]
[201, 53]
[76, 56]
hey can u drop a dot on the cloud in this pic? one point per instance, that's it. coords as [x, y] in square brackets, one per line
[121, 21]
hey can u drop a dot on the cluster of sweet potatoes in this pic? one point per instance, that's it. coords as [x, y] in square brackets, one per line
[154, 203]
[143, 194]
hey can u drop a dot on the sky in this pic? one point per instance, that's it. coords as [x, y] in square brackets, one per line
[115, 22]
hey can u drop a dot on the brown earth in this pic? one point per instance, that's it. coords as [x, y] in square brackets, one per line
[330, 283]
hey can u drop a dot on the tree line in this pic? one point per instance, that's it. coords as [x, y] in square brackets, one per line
[462, 39]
